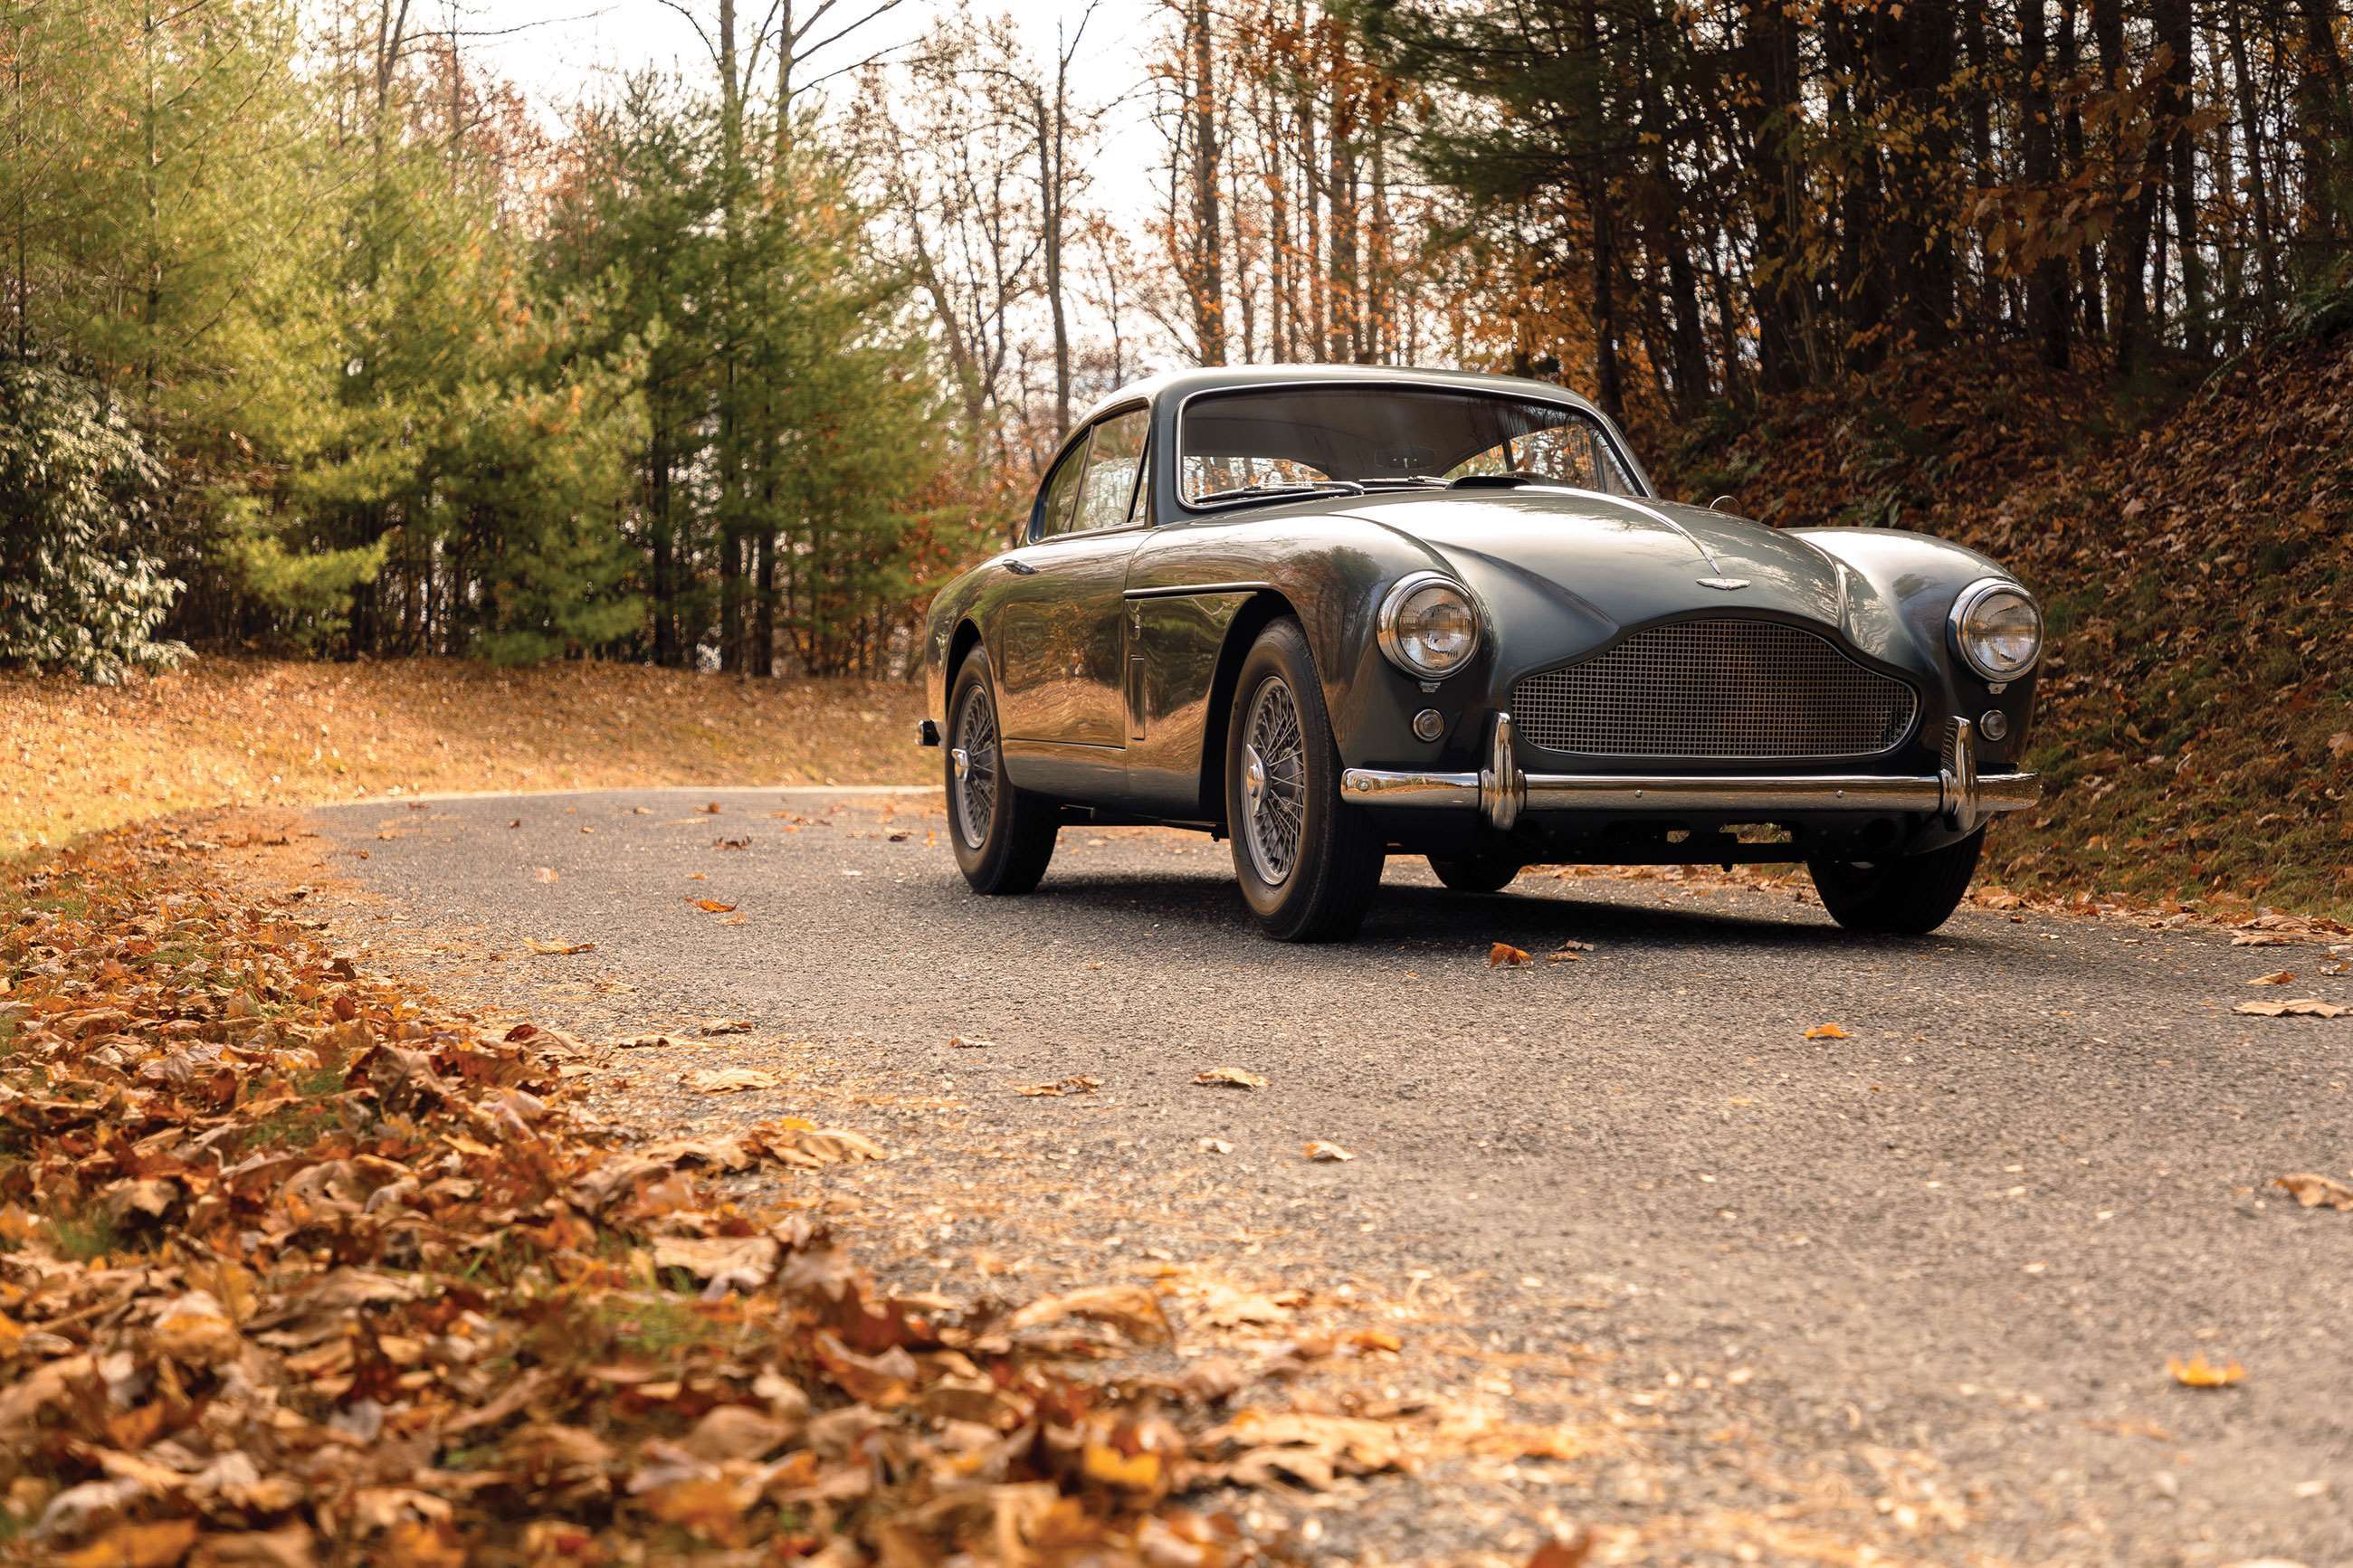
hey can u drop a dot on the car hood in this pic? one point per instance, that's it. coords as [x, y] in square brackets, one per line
[1561, 571]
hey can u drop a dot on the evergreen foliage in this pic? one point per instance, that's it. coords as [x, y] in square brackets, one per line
[78, 589]
[422, 380]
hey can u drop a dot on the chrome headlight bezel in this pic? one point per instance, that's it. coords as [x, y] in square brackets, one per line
[1967, 603]
[1393, 605]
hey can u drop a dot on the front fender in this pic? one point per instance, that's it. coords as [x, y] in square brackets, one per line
[959, 601]
[1331, 571]
[1898, 608]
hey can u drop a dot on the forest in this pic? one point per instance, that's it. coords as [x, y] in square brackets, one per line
[319, 338]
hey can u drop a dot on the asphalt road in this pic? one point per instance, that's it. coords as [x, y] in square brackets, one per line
[1972, 1232]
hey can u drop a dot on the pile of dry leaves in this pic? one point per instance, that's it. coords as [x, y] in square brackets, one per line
[292, 1270]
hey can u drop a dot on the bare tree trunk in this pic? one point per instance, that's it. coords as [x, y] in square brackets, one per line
[1209, 269]
[2128, 257]
[1311, 260]
[1281, 315]
[1978, 59]
[2321, 112]
[2173, 31]
[1688, 347]
[1609, 389]
[2047, 316]
[1049, 125]
[730, 456]
[2088, 257]
[1340, 188]
[2251, 120]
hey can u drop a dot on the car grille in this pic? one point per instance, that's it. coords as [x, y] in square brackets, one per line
[1716, 689]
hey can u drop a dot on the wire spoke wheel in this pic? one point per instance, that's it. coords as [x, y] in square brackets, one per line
[974, 755]
[1274, 780]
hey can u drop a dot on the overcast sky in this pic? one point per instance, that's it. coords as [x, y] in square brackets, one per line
[558, 49]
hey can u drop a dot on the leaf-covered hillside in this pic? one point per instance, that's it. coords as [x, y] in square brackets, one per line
[2196, 716]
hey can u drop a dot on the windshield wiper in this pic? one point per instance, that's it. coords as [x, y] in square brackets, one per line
[1287, 488]
[1510, 479]
[1423, 480]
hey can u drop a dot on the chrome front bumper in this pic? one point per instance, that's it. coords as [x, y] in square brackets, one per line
[1959, 793]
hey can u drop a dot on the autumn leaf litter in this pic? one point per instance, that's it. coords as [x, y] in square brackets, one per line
[298, 1268]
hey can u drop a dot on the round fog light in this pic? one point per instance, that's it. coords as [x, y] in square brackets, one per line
[1994, 724]
[1429, 723]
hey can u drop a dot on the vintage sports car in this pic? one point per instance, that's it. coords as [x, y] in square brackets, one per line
[1335, 614]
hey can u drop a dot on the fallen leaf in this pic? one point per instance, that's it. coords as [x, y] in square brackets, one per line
[960, 1043]
[1083, 1084]
[1230, 1078]
[2200, 1372]
[713, 906]
[734, 1432]
[1133, 1309]
[745, 1262]
[545, 874]
[1319, 1150]
[1559, 1554]
[1502, 955]
[712, 809]
[2277, 977]
[725, 1027]
[727, 1080]
[558, 948]
[1222, 1306]
[794, 1143]
[1214, 1146]
[154, 1545]
[2317, 1191]
[1130, 1472]
[1827, 1032]
[2295, 1006]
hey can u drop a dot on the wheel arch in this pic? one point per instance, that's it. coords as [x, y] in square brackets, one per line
[1261, 609]
[962, 641]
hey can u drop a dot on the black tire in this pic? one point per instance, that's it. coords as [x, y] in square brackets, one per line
[1335, 854]
[1479, 872]
[1006, 853]
[1910, 894]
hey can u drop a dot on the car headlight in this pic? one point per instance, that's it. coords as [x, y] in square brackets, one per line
[1997, 628]
[1429, 627]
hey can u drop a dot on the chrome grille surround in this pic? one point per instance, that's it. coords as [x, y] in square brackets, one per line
[1717, 688]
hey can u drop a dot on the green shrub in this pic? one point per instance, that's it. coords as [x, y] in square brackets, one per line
[78, 589]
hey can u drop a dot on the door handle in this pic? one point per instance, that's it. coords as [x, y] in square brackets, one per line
[1021, 568]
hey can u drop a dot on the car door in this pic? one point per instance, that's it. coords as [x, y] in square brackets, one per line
[1062, 636]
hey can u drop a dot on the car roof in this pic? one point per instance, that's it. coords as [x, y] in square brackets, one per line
[1179, 385]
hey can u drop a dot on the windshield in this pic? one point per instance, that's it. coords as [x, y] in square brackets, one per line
[1343, 437]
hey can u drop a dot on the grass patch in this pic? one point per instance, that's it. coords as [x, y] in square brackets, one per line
[296, 1126]
[654, 1328]
[83, 1236]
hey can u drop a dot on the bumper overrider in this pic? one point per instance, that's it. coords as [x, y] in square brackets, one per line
[1501, 792]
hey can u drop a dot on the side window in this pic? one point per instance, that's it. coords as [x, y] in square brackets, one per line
[1115, 457]
[1061, 493]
